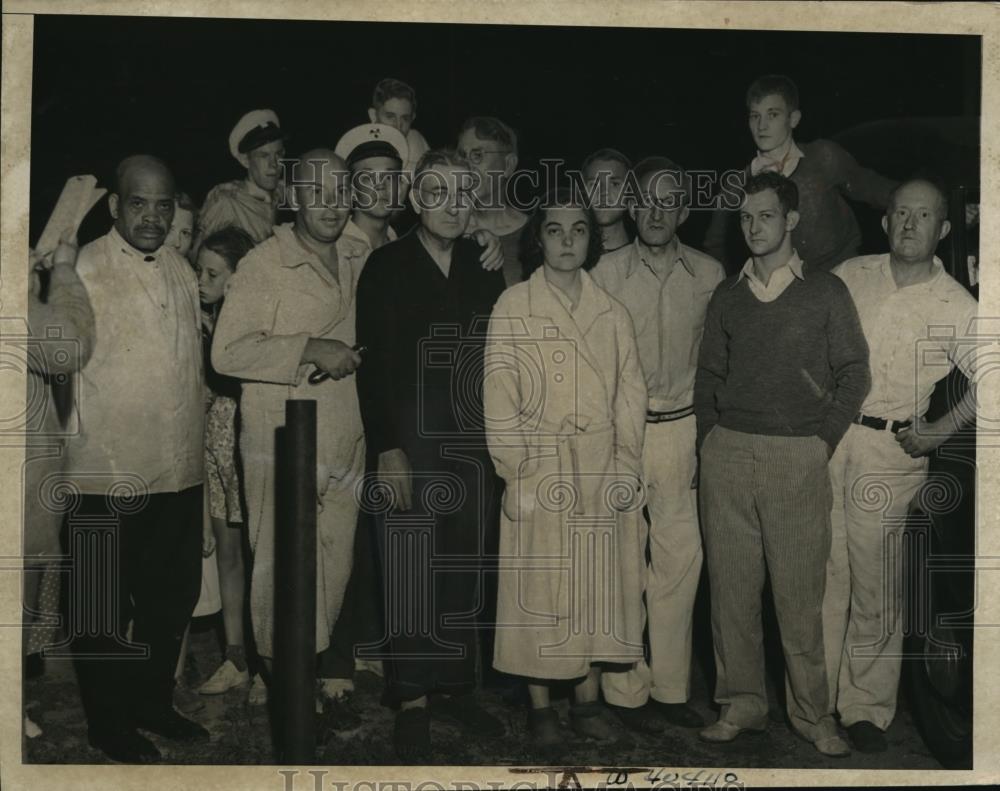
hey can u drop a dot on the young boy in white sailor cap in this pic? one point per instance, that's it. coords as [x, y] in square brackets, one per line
[375, 154]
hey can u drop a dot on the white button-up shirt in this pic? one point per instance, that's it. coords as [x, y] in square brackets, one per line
[280, 296]
[916, 334]
[140, 400]
[667, 307]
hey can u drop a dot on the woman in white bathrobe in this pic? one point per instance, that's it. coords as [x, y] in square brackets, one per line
[565, 407]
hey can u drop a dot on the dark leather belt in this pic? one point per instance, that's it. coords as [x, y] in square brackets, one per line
[881, 424]
[666, 417]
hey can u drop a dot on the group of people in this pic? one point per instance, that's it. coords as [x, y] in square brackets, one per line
[532, 429]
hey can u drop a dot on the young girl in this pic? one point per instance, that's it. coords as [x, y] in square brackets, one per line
[565, 408]
[181, 233]
[218, 255]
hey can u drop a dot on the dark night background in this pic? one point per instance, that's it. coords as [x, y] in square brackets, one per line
[105, 87]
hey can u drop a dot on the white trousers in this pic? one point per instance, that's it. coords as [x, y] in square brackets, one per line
[873, 483]
[668, 460]
[335, 524]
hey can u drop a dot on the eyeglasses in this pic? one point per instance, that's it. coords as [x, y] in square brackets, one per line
[475, 156]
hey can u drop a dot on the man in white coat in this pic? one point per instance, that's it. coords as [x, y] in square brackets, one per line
[289, 311]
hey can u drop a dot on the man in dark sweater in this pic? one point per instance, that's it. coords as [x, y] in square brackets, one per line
[827, 232]
[782, 371]
[424, 302]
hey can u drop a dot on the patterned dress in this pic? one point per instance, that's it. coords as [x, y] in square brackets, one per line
[222, 474]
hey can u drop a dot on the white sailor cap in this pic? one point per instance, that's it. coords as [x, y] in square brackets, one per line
[372, 140]
[253, 130]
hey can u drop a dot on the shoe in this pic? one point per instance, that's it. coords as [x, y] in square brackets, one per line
[465, 710]
[31, 729]
[339, 713]
[642, 719]
[867, 737]
[226, 677]
[124, 745]
[185, 699]
[330, 689]
[832, 747]
[168, 723]
[679, 714]
[546, 729]
[723, 731]
[335, 687]
[593, 721]
[373, 666]
[257, 695]
[412, 734]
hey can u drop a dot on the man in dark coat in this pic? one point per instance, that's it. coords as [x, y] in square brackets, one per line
[423, 305]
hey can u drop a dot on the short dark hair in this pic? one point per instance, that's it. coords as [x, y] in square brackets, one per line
[229, 243]
[607, 155]
[771, 84]
[784, 187]
[661, 164]
[530, 244]
[391, 88]
[490, 128]
[931, 181]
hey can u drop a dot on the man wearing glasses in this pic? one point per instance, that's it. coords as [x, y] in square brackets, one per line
[490, 146]
[666, 286]
[423, 304]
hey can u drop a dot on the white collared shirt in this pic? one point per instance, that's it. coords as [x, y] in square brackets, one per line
[780, 279]
[783, 162]
[668, 313]
[353, 230]
[916, 334]
[140, 400]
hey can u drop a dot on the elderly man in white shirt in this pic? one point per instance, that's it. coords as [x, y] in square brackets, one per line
[917, 320]
[666, 286]
[137, 466]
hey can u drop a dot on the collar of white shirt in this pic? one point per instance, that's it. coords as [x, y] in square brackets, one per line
[258, 193]
[641, 254]
[119, 244]
[783, 161]
[883, 263]
[780, 279]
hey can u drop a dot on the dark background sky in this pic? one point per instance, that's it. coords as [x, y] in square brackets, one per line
[105, 87]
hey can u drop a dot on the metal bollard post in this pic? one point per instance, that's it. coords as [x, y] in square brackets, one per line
[295, 585]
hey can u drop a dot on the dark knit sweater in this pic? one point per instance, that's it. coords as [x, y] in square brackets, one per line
[828, 232]
[796, 366]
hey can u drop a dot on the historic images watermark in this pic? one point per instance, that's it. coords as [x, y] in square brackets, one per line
[314, 183]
